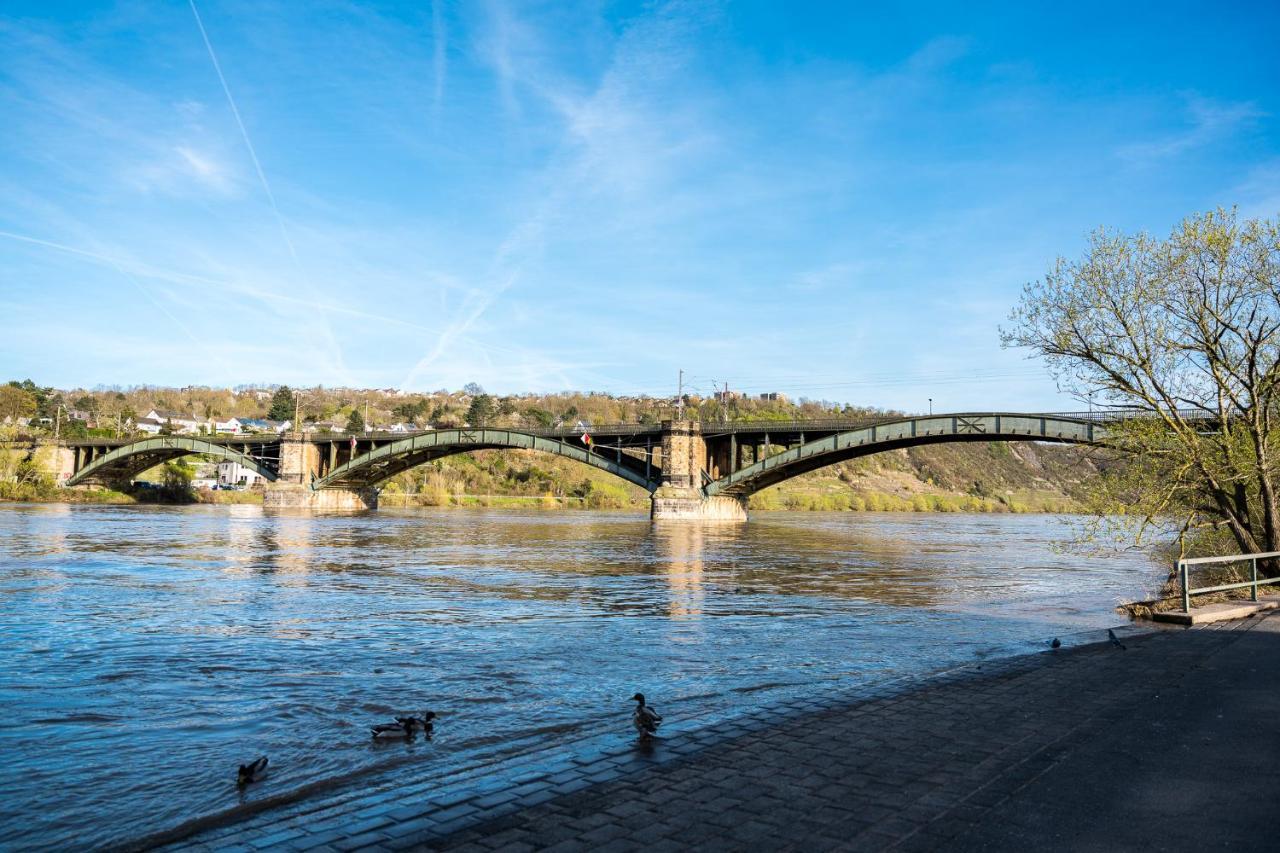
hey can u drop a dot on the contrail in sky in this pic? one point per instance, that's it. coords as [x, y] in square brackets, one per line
[262, 176]
[114, 264]
[335, 346]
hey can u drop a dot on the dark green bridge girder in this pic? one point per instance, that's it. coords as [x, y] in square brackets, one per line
[385, 461]
[132, 459]
[907, 432]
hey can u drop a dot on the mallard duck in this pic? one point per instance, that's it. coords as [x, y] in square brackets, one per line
[1056, 644]
[252, 772]
[645, 719]
[384, 731]
[418, 724]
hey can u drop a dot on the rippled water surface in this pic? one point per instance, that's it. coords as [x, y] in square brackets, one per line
[149, 650]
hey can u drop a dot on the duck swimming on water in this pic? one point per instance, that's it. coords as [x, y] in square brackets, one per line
[645, 719]
[252, 772]
[423, 723]
[386, 731]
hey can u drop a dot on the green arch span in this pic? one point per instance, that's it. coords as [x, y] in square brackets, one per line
[386, 461]
[134, 458]
[908, 432]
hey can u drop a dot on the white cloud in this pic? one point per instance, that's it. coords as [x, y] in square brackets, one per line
[1207, 121]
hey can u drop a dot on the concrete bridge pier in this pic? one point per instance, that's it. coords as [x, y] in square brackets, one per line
[680, 497]
[299, 465]
[56, 460]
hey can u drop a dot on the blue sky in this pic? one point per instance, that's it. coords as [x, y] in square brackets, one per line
[838, 201]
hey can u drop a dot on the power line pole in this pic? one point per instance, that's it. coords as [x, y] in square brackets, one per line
[680, 398]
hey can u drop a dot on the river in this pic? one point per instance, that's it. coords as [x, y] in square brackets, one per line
[149, 650]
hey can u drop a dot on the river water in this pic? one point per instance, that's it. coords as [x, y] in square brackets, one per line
[148, 650]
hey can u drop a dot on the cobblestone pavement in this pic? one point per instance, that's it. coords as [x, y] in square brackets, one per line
[1170, 744]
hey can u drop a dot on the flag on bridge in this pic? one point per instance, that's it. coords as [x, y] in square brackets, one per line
[585, 438]
[353, 445]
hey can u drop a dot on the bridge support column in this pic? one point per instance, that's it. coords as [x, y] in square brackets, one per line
[294, 496]
[671, 504]
[680, 497]
[57, 461]
[299, 465]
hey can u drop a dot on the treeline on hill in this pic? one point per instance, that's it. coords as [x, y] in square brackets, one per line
[108, 411]
[959, 478]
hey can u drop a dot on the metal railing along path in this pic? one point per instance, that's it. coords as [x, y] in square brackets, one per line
[1184, 574]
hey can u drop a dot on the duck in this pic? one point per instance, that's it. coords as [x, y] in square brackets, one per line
[1056, 644]
[423, 723]
[252, 772]
[386, 731]
[645, 719]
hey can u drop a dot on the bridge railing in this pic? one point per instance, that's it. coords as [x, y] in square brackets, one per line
[831, 424]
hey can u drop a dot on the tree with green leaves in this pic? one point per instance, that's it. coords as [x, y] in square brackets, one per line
[16, 402]
[1184, 332]
[355, 422]
[282, 405]
[481, 410]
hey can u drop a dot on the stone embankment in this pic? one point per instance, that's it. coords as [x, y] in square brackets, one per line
[1168, 743]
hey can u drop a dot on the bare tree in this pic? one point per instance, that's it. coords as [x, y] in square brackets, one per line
[1185, 330]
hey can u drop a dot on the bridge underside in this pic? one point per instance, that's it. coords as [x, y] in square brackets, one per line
[382, 463]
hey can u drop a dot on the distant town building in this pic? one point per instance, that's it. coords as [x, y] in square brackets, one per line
[325, 426]
[264, 425]
[177, 421]
[235, 474]
[773, 397]
[149, 425]
[230, 426]
[726, 395]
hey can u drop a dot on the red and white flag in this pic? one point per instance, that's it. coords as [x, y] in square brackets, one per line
[584, 438]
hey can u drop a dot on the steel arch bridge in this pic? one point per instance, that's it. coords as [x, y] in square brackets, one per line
[835, 445]
[727, 460]
[129, 460]
[385, 461]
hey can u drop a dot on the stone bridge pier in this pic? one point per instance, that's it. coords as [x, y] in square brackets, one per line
[684, 466]
[299, 465]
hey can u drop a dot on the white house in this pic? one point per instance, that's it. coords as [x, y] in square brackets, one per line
[177, 421]
[149, 425]
[235, 474]
[264, 425]
[230, 426]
